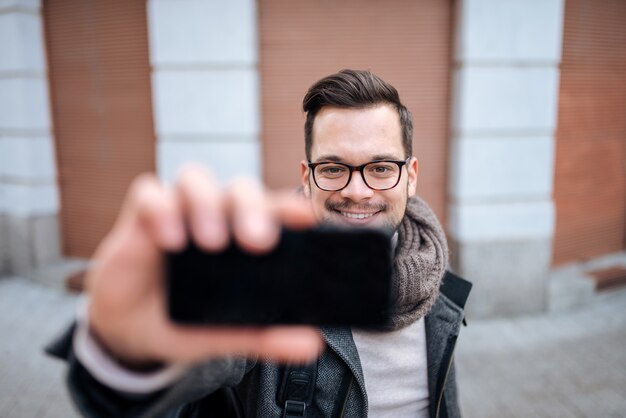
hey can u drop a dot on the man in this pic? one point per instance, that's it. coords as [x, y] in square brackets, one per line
[127, 359]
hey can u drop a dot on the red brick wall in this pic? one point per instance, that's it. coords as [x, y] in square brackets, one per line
[590, 178]
[406, 42]
[99, 74]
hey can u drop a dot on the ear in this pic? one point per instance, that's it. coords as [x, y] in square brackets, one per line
[304, 172]
[412, 168]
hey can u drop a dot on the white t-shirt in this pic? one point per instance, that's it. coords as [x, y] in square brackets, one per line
[395, 371]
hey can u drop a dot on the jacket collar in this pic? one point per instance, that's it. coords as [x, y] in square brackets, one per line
[443, 324]
[339, 339]
[442, 327]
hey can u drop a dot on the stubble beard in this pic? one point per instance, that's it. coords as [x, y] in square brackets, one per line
[389, 225]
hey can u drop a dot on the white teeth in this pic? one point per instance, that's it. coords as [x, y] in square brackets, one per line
[357, 215]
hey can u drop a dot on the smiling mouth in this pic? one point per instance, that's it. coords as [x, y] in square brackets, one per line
[357, 215]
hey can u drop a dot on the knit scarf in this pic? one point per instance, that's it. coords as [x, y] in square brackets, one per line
[420, 261]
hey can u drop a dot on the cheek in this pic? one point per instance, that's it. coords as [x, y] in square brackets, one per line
[318, 199]
[398, 201]
[397, 197]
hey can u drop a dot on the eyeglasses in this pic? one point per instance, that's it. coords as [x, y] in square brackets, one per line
[377, 175]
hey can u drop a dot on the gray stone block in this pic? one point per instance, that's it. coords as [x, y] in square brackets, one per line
[46, 239]
[32, 242]
[4, 247]
[509, 276]
[20, 256]
[569, 288]
[55, 274]
[617, 259]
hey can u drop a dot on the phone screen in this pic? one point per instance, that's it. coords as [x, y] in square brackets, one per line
[318, 277]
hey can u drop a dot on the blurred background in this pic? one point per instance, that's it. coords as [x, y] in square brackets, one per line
[519, 109]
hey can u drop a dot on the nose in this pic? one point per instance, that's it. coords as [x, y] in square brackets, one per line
[357, 190]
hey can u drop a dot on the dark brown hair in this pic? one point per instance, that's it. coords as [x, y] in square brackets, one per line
[354, 89]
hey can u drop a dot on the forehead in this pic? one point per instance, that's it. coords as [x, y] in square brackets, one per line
[357, 135]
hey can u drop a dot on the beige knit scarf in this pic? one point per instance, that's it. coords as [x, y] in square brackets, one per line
[419, 264]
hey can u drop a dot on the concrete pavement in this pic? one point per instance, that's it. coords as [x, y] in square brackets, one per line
[31, 383]
[570, 364]
[567, 364]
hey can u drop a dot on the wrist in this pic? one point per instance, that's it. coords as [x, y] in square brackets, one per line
[115, 349]
[121, 373]
[137, 364]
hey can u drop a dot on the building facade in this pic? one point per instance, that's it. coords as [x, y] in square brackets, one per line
[518, 109]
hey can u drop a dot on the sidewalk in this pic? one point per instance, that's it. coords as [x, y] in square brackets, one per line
[557, 365]
[570, 364]
[31, 383]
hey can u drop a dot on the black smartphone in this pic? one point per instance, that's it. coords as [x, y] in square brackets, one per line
[319, 277]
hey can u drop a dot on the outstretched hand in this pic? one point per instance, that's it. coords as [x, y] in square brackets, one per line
[127, 310]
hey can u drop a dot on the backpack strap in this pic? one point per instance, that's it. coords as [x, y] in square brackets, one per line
[296, 389]
[456, 289]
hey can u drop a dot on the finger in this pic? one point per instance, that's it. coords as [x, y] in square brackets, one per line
[203, 204]
[291, 344]
[254, 227]
[274, 343]
[154, 210]
[293, 211]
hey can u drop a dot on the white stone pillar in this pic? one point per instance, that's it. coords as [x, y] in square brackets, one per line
[29, 235]
[205, 85]
[505, 92]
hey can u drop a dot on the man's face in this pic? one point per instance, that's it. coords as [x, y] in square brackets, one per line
[358, 136]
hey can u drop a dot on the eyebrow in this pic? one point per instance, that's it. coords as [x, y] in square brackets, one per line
[330, 157]
[377, 157]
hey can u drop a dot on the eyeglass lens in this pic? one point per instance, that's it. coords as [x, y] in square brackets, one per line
[377, 175]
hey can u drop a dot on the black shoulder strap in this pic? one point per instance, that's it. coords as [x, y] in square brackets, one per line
[455, 288]
[296, 389]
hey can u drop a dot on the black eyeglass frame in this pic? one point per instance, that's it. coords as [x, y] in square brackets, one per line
[352, 168]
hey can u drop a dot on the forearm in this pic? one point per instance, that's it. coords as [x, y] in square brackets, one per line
[101, 387]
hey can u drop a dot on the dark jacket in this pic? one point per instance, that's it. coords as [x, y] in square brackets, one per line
[252, 388]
